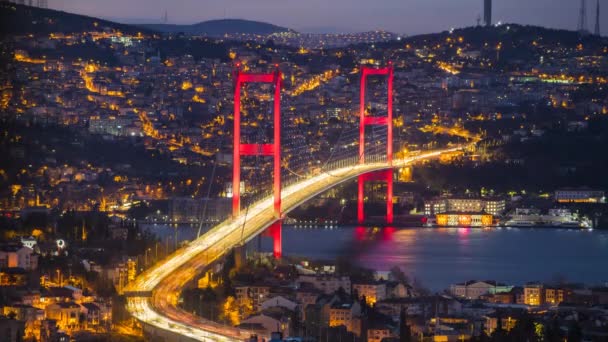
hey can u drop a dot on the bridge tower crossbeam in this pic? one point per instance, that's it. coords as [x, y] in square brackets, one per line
[371, 120]
[273, 149]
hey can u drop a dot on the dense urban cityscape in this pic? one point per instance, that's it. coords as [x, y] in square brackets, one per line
[234, 180]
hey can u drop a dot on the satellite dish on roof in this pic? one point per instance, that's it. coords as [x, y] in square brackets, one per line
[61, 244]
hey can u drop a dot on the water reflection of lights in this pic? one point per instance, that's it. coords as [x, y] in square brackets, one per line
[464, 231]
[375, 233]
[387, 233]
[366, 233]
[360, 233]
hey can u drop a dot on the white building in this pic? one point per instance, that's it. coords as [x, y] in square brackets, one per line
[18, 256]
[29, 242]
[474, 289]
[494, 206]
[326, 283]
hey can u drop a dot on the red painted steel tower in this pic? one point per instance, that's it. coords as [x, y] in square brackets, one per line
[273, 149]
[386, 175]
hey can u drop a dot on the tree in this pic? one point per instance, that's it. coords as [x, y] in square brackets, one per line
[245, 307]
[398, 275]
[524, 329]
[498, 334]
[575, 333]
[230, 311]
[405, 333]
[552, 331]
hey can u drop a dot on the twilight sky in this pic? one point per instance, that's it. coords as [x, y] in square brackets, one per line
[400, 16]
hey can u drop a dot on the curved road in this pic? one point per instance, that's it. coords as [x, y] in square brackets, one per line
[167, 277]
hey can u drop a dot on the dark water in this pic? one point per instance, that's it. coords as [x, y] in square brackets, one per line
[439, 257]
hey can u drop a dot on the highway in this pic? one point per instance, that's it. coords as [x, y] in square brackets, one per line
[167, 277]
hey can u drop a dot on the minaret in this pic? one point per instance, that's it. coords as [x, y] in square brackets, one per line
[597, 19]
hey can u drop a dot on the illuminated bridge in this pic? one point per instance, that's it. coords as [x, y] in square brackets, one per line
[160, 313]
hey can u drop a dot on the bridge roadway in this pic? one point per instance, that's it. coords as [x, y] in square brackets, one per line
[160, 313]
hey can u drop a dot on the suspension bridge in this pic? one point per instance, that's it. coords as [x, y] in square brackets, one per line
[153, 297]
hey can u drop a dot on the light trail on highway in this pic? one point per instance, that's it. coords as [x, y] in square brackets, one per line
[167, 277]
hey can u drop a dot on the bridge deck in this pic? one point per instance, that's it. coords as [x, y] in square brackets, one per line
[168, 277]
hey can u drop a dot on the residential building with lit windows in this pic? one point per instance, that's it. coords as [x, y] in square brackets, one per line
[435, 207]
[373, 292]
[465, 205]
[507, 321]
[28, 314]
[67, 315]
[257, 295]
[115, 125]
[495, 206]
[556, 295]
[346, 314]
[534, 294]
[378, 334]
[13, 276]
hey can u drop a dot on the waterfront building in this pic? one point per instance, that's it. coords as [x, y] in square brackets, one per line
[580, 196]
[474, 289]
[494, 206]
[464, 220]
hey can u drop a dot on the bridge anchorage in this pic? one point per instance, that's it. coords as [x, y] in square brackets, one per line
[364, 120]
[273, 149]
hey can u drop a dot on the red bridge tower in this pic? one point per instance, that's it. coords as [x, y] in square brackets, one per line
[386, 175]
[273, 149]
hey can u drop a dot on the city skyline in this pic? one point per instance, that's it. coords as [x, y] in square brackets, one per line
[342, 15]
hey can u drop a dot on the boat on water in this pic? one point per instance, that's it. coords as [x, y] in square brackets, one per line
[521, 223]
